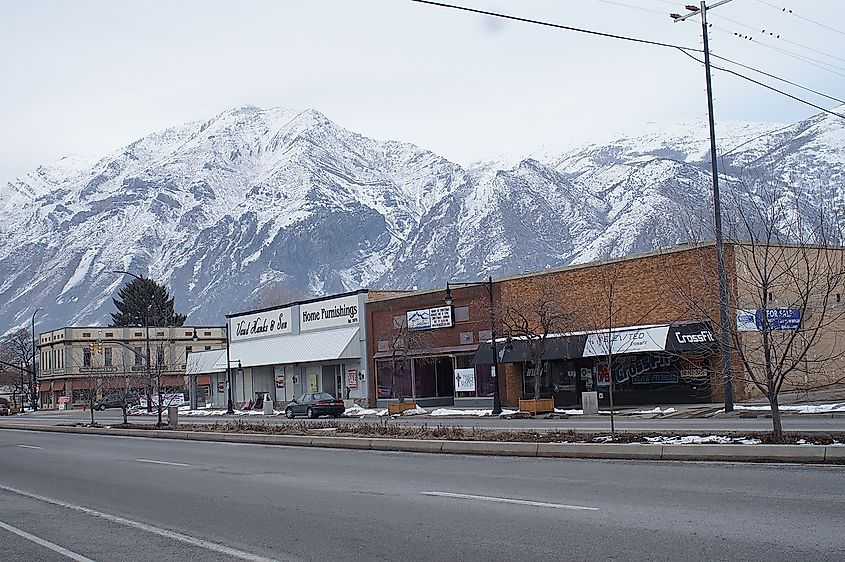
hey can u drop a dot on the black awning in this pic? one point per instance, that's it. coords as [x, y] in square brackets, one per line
[690, 337]
[517, 351]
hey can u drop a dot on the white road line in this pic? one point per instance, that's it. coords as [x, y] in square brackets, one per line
[509, 500]
[46, 544]
[30, 446]
[164, 462]
[201, 543]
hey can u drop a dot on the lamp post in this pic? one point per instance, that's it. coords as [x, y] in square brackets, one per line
[147, 330]
[34, 388]
[229, 402]
[497, 402]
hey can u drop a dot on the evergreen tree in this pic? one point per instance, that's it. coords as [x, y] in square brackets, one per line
[143, 301]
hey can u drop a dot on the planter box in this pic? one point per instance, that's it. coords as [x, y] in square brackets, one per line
[541, 406]
[399, 407]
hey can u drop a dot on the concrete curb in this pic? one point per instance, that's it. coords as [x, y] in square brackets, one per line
[816, 454]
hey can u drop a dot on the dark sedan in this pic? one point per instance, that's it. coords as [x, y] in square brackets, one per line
[314, 405]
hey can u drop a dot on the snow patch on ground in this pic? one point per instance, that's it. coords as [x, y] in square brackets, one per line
[801, 408]
[657, 410]
[359, 412]
[476, 413]
[702, 440]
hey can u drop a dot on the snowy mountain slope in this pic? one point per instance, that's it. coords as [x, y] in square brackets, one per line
[257, 201]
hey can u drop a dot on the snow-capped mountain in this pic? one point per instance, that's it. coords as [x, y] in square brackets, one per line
[256, 203]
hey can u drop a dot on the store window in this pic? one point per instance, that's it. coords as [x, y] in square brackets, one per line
[530, 373]
[433, 377]
[483, 378]
[139, 356]
[86, 357]
[392, 383]
[107, 357]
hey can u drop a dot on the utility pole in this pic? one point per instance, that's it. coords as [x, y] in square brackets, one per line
[34, 388]
[717, 206]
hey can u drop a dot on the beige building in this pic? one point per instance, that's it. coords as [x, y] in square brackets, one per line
[76, 363]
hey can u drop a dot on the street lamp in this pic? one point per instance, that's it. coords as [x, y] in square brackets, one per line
[34, 388]
[147, 330]
[229, 403]
[497, 402]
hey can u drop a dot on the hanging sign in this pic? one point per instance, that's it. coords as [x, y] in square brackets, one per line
[430, 318]
[351, 378]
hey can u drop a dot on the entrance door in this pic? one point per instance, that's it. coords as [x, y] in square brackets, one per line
[329, 380]
[564, 383]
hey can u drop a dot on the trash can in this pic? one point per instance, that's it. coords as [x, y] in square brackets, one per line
[173, 416]
[268, 405]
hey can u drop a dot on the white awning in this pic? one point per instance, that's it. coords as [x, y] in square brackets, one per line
[325, 345]
[206, 362]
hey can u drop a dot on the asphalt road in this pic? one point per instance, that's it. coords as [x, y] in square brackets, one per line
[805, 423]
[112, 498]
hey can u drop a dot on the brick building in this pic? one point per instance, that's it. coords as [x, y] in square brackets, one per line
[652, 316]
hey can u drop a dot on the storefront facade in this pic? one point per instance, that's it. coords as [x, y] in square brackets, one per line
[317, 345]
[423, 350]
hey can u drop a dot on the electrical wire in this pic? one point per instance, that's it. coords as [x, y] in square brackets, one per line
[555, 25]
[792, 12]
[764, 73]
[684, 50]
[803, 58]
[624, 5]
[778, 36]
[764, 85]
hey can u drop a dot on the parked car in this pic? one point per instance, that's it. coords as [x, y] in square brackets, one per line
[314, 405]
[4, 409]
[115, 401]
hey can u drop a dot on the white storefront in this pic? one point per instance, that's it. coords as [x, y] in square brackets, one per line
[312, 346]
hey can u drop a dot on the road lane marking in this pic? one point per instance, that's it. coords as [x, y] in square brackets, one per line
[46, 544]
[187, 539]
[150, 461]
[509, 500]
[30, 446]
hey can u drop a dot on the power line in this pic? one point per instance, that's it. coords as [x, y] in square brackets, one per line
[803, 58]
[779, 37]
[777, 78]
[792, 12]
[624, 5]
[767, 86]
[555, 25]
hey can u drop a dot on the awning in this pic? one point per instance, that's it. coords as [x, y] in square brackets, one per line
[206, 362]
[325, 345]
[517, 351]
[203, 380]
[57, 386]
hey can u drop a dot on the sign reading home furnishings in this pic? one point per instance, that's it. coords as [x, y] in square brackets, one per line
[331, 313]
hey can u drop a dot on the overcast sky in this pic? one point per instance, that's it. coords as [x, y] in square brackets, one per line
[91, 76]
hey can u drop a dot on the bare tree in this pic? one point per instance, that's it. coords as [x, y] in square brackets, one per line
[403, 344]
[277, 293]
[16, 354]
[534, 316]
[787, 291]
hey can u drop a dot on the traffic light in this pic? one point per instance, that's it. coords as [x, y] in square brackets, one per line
[92, 348]
[100, 348]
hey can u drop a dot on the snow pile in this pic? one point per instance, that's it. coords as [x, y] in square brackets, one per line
[476, 413]
[359, 412]
[657, 410]
[702, 440]
[414, 411]
[801, 408]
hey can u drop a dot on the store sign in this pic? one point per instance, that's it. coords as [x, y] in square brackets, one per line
[636, 340]
[268, 323]
[656, 378]
[64, 399]
[430, 318]
[777, 319]
[351, 378]
[690, 337]
[332, 313]
[464, 380]
[221, 386]
[279, 375]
